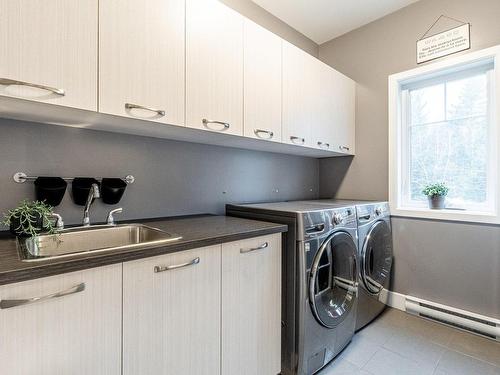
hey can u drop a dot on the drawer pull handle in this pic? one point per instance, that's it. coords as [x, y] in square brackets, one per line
[13, 82]
[263, 246]
[257, 132]
[206, 122]
[8, 303]
[344, 148]
[300, 140]
[176, 266]
[324, 145]
[160, 112]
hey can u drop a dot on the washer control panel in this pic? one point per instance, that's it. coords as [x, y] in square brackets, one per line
[344, 216]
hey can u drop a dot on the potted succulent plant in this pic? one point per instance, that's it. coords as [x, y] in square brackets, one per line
[436, 195]
[29, 219]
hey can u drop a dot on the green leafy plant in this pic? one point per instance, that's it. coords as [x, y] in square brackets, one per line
[436, 190]
[30, 218]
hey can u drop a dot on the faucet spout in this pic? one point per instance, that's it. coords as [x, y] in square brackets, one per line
[93, 194]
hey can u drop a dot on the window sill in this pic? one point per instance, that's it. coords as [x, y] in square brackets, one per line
[447, 215]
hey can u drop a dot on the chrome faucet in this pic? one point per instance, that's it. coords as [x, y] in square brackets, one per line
[93, 194]
[111, 218]
[59, 223]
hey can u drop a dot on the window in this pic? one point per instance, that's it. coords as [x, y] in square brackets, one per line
[443, 129]
[447, 126]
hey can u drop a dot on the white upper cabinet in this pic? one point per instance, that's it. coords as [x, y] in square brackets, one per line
[49, 51]
[344, 99]
[262, 83]
[299, 95]
[73, 328]
[141, 60]
[333, 110]
[214, 67]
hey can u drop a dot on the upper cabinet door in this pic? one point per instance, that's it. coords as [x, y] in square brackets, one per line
[299, 95]
[141, 60]
[214, 67]
[262, 82]
[49, 51]
[345, 113]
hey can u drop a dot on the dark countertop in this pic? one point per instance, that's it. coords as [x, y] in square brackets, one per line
[196, 231]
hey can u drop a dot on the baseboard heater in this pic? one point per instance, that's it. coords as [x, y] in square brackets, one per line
[461, 319]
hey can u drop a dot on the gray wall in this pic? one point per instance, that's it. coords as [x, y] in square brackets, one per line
[457, 264]
[259, 15]
[172, 178]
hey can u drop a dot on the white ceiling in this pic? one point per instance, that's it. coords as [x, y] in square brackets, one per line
[323, 20]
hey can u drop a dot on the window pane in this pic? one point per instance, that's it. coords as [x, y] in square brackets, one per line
[467, 97]
[454, 152]
[427, 104]
[448, 140]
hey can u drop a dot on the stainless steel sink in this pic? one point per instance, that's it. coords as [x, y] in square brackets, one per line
[99, 238]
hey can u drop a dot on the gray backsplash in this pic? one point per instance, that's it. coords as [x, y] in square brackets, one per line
[172, 178]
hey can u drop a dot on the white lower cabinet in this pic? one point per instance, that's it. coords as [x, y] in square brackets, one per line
[75, 328]
[251, 306]
[208, 311]
[171, 314]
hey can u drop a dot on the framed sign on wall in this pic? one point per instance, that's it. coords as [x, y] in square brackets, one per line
[444, 43]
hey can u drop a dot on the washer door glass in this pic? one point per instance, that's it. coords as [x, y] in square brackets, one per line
[376, 258]
[332, 281]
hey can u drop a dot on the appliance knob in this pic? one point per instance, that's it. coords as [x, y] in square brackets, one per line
[337, 219]
[378, 211]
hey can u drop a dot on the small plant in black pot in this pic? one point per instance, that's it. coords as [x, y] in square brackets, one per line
[436, 195]
[29, 219]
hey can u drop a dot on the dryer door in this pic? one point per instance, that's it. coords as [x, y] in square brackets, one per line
[376, 257]
[332, 281]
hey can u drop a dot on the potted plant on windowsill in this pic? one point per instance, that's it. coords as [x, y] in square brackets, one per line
[436, 195]
[29, 219]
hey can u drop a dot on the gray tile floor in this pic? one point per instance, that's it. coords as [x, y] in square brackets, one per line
[398, 344]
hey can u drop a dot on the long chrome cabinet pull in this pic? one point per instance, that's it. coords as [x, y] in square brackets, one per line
[206, 122]
[13, 82]
[344, 148]
[263, 246]
[257, 132]
[324, 145]
[160, 112]
[294, 139]
[8, 303]
[176, 266]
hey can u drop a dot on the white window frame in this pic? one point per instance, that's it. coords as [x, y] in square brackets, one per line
[397, 137]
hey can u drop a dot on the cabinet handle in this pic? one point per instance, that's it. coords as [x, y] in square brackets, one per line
[294, 139]
[344, 148]
[206, 122]
[263, 246]
[269, 133]
[13, 82]
[324, 145]
[160, 112]
[8, 303]
[176, 266]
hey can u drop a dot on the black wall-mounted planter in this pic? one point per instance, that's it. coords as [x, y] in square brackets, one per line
[50, 190]
[112, 190]
[80, 188]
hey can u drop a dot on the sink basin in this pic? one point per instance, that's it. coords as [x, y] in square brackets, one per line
[99, 238]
